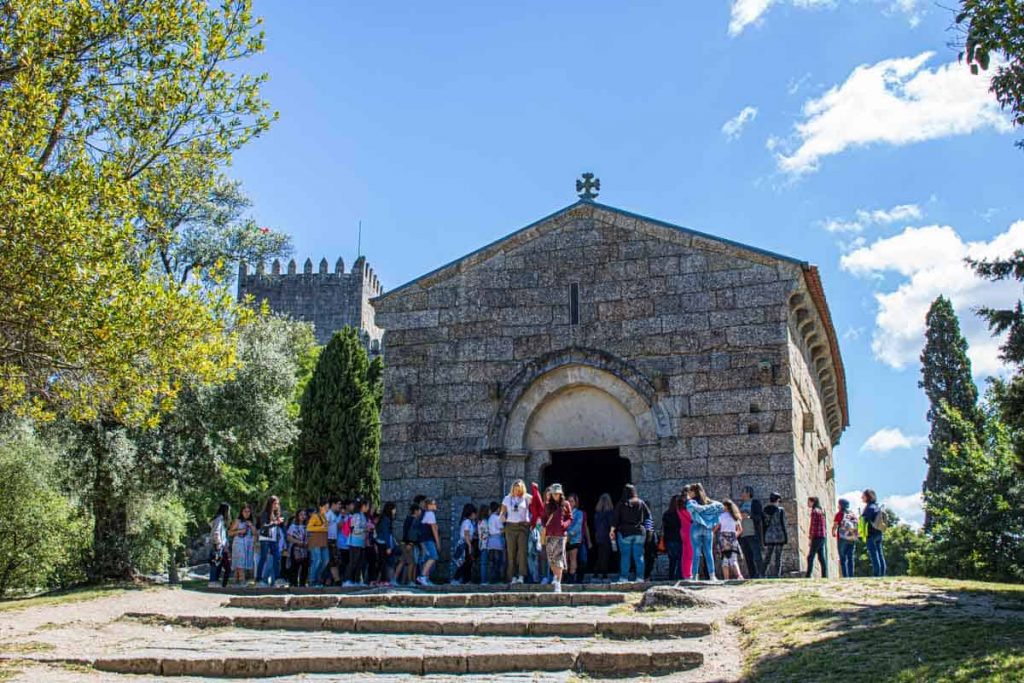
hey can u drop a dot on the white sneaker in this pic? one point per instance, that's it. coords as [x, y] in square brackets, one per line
[456, 582]
[556, 586]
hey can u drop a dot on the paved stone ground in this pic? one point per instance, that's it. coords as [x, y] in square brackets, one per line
[104, 628]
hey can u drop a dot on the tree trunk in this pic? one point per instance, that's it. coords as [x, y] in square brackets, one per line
[111, 557]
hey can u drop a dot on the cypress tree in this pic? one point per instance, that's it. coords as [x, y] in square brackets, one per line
[338, 449]
[946, 380]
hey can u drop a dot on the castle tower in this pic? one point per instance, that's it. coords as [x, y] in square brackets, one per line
[329, 299]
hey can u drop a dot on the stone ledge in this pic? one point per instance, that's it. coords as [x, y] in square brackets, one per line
[600, 660]
[626, 629]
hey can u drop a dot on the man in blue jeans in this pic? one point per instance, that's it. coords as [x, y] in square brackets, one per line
[629, 526]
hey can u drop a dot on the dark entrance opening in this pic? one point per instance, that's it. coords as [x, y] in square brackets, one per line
[588, 474]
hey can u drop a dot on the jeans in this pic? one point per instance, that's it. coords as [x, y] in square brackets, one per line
[773, 561]
[876, 555]
[631, 548]
[485, 565]
[817, 550]
[216, 562]
[497, 571]
[702, 539]
[847, 550]
[674, 549]
[751, 546]
[270, 553]
[318, 560]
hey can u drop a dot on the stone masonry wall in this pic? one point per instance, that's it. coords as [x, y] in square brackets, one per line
[331, 301]
[703, 321]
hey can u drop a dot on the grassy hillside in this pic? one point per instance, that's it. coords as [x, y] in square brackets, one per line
[899, 629]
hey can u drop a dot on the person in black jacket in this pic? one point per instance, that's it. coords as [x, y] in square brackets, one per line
[752, 538]
[775, 535]
[630, 524]
[672, 533]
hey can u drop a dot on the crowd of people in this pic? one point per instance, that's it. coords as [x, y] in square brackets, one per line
[533, 537]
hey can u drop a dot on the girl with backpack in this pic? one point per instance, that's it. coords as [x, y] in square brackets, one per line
[775, 536]
[817, 537]
[877, 523]
[844, 528]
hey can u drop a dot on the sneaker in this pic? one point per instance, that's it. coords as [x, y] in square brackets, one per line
[349, 584]
[213, 584]
[556, 586]
[545, 581]
[456, 582]
[422, 580]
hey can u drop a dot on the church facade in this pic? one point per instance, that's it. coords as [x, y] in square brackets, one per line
[597, 347]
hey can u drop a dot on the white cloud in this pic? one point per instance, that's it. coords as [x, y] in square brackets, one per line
[744, 13]
[917, 265]
[733, 128]
[909, 508]
[891, 438]
[896, 101]
[866, 217]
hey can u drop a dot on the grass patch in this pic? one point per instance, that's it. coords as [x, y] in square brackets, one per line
[898, 630]
[65, 597]
[25, 648]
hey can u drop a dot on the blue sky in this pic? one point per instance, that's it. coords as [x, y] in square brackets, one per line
[843, 133]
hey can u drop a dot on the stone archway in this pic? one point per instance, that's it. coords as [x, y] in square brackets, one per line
[574, 399]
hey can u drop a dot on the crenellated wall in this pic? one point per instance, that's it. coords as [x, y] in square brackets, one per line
[329, 300]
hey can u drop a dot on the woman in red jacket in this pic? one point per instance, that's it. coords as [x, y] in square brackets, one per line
[557, 518]
[686, 570]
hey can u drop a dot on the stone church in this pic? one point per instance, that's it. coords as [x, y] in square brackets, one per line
[597, 347]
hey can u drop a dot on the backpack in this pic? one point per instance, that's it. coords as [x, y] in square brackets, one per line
[881, 521]
[775, 533]
[848, 527]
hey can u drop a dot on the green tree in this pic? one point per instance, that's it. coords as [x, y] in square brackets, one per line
[41, 530]
[112, 111]
[946, 380]
[977, 529]
[338, 450]
[1008, 395]
[902, 545]
[994, 30]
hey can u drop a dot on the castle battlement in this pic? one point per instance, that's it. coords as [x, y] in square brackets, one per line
[329, 300]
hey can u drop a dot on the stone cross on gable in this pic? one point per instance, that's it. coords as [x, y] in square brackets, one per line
[588, 186]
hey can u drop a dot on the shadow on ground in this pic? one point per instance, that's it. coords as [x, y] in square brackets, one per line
[886, 631]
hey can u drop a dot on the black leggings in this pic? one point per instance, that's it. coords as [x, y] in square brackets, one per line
[817, 550]
[355, 564]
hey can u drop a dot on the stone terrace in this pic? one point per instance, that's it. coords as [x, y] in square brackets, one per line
[370, 637]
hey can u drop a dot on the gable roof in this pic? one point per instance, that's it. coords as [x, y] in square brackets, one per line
[811, 278]
[487, 250]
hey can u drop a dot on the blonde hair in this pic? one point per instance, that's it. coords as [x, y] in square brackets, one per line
[518, 483]
[732, 508]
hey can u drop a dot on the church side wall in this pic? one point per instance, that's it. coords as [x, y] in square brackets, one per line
[703, 322]
[812, 449]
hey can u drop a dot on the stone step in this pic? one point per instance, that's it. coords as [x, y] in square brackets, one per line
[593, 660]
[579, 628]
[445, 600]
[604, 587]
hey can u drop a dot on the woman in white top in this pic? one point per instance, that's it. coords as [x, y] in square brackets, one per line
[729, 530]
[515, 513]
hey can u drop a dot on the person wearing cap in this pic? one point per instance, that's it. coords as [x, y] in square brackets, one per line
[775, 535]
[557, 518]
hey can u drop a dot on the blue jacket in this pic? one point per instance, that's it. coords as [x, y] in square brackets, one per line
[704, 515]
